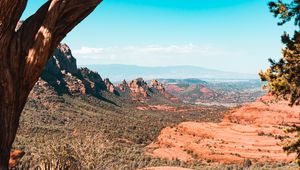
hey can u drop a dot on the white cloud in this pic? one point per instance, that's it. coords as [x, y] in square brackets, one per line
[165, 55]
[88, 51]
[138, 52]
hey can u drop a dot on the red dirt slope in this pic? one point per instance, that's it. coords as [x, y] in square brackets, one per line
[245, 133]
[166, 168]
[170, 108]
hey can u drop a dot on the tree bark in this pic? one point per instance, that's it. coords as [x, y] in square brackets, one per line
[25, 52]
[4, 159]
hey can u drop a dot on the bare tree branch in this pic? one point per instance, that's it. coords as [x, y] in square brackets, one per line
[43, 31]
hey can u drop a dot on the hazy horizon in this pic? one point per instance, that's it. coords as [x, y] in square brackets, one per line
[118, 72]
[166, 66]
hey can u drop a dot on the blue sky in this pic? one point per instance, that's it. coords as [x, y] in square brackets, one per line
[235, 35]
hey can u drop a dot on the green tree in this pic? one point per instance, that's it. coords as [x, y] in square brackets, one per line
[283, 76]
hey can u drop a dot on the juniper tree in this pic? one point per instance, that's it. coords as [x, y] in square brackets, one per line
[24, 53]
[283, 76]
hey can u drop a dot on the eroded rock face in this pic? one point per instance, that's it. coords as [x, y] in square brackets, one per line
[123, 86]
[110, 87]
[158, 86]
[62, 74]
[63, 60]
[140, 90]
[93, 82]
[248, 132]
[75, 85]
[139, 87]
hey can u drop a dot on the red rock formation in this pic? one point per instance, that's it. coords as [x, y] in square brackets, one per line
[15, 157]
[246, 133]
[62, 74]
[92, 81]
[158, 86]
[110, 87]
[123, 86]
[62, 61]
[139, 88]
[74, 84]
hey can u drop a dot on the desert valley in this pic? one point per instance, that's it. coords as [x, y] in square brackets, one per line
[149, 85]
[75, 119]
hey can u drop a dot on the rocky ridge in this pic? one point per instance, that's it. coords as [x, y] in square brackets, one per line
[62, 74]
[64, 77]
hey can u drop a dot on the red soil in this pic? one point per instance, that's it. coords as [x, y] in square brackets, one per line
[15, 157]
[169, 108]
[173, 88]
[166, 168]
[206, 91]
[245, 133]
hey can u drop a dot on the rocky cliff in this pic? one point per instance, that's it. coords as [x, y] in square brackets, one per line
[62, 76]
[110, 86]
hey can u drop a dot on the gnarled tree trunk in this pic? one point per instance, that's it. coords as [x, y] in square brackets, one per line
[24, 53]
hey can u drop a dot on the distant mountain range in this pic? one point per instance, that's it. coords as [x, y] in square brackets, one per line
[117, 72]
